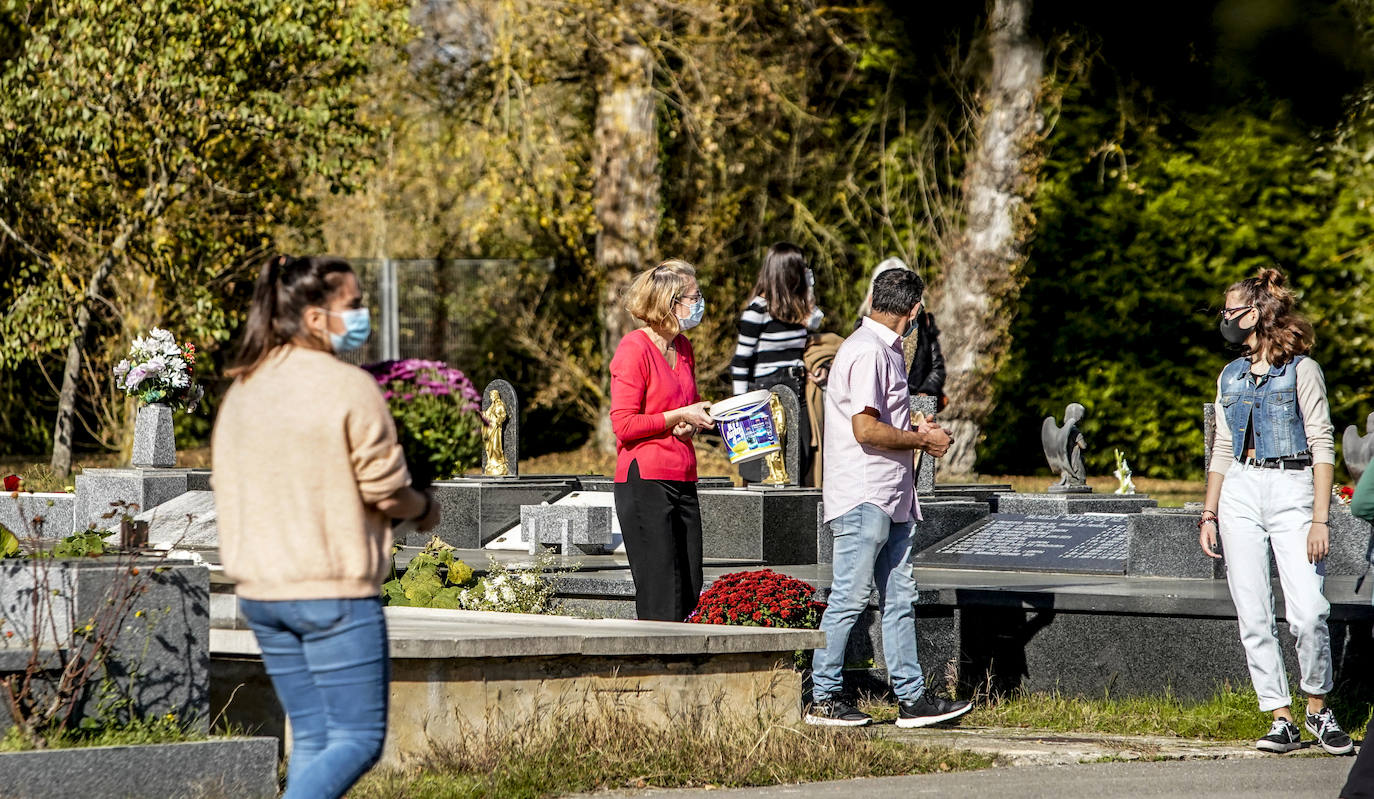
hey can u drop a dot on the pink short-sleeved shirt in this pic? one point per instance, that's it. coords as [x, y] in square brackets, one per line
[868, 372]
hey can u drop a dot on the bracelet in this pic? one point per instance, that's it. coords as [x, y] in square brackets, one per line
[1201, 522]
[429, 503]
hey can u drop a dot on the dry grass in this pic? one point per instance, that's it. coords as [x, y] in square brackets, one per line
[567, 751]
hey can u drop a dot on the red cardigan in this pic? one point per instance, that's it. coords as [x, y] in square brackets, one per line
[642, 389]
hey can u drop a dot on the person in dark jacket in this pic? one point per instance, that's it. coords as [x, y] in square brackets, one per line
[927, 372]
[1360, 783]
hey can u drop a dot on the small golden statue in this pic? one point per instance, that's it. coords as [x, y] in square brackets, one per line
[777, 466]
[494, 462]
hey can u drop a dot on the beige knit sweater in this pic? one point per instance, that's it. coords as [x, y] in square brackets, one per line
[302, 450]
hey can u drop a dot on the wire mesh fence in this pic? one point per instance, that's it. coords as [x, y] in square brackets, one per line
[441, 309]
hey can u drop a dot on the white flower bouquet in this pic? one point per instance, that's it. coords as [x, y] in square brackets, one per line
[159, 370]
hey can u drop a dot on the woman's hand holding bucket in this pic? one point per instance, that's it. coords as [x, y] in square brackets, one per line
[697, 415]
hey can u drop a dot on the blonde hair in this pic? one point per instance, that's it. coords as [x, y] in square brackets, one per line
[653, 292]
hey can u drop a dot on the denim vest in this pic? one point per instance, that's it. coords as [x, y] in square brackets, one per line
[1271, 402]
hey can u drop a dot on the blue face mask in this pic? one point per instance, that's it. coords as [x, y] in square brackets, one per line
[694, 318]
[357, 328]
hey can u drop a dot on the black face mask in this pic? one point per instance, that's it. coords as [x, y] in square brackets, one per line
[1233, 332]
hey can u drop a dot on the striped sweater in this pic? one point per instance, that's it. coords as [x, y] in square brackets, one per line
[765, 345]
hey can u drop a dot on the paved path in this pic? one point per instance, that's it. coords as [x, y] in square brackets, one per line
[1289, 777]
[1033, 764]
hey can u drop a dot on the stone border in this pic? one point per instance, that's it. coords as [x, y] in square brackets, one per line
[242, 768]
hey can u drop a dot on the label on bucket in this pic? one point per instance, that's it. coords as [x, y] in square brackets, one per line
[750, 436]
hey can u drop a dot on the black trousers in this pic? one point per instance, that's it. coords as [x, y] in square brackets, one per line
[661, 523]
[1360, 783]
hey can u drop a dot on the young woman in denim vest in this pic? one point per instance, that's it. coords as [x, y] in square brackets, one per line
[1269, 487]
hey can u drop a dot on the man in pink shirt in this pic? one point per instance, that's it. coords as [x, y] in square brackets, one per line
[870, 504]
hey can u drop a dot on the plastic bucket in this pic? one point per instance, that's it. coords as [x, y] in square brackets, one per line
[746, 424]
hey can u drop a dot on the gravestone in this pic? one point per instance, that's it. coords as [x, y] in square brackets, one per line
[925, 465]
[140, 489]
[1357, 450]
[186, 522]
[791, 437]
[159, 662]
[1163, 542]
[574, 529]
[503, 391]
[1072, 504]
[1086, 544]
[774, 525]
[154, 439]
[21, 513]
[475, 510]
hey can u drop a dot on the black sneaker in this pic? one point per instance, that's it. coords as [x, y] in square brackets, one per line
[836, 713]
[1283, 737]
[930, 709]
[1329, 734]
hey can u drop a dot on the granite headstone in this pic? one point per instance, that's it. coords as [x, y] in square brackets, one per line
[774, 525]
[925, 465]
[99, 493]
[510, 431]
[791, 438]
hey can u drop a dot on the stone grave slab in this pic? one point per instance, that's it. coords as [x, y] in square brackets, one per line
[597, 482]
[584, 529]
[1088, 544]
[776, 525]
[1070, 504]
[475, 510]
[983, 492]
[186, 522]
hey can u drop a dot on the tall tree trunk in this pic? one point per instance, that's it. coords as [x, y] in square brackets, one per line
[154, 203]
[64, 426]
[982, 274]
[627, 182]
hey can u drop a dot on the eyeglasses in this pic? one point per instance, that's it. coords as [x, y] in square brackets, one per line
[690, 299]
[1231, 313]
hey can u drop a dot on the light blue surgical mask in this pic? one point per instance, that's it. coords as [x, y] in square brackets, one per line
[694, 318]
[357, 328]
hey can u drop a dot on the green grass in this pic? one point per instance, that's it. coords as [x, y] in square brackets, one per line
[161, 730]
[569, 754]
[1229, 715]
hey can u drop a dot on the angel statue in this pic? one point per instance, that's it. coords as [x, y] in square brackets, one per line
[1064, 450]
[1357, 449]
[494, 464]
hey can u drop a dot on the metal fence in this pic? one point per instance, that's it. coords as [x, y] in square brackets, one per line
[439, 309]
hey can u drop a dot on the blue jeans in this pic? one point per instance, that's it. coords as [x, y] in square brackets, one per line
[329, 663]
[870, 548]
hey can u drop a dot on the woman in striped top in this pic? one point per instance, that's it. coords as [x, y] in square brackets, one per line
[772, 337]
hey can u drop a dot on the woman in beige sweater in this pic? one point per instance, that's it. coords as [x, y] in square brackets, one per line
[308, 476]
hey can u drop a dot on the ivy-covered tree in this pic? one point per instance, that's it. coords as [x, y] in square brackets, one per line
[147, 152]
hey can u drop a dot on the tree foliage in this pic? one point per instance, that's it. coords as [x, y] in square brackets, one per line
[149, 150]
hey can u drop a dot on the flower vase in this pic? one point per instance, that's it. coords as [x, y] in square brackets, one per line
[154, 442]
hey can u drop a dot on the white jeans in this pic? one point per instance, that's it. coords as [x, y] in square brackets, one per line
[1261, 508]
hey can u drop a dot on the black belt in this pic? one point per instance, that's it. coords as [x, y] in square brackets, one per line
[1279, 463]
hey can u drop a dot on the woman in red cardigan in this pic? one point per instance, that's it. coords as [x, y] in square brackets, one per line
[655, 412]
